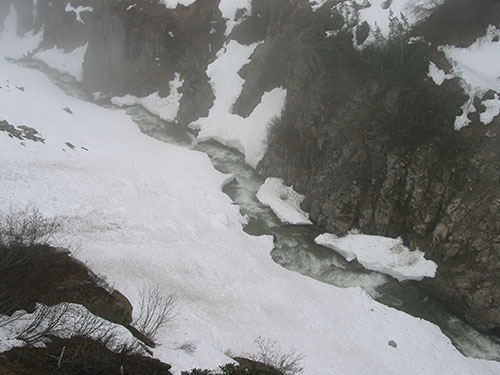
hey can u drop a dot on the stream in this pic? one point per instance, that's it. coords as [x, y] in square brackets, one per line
[295, 248]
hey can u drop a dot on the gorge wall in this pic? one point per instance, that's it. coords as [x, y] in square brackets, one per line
[366, 135]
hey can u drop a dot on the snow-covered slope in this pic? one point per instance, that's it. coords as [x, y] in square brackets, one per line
[143, 212]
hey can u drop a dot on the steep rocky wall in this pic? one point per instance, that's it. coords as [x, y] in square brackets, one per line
[378, 152]
[134, 47]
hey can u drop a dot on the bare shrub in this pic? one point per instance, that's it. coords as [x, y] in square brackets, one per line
[26, 227]
[86, 324]
[155, 311]
[8, 305]
[45, 321]
[10, 260]
[188, 347]
[270, 354]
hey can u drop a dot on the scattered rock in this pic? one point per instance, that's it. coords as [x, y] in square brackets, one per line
[21, 132]
[66, 109]
[20, 88]
[393, 344]
[71, 146]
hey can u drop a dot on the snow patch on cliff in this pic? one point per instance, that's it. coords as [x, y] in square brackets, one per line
[172, 4]
[479, 72]
[376, 13]
[437, 75]
[165, 108]
[78, 11]
[381, 254]
[229, 8]
[248, 135]
[13, 46]
[70, 63]
[284, 201]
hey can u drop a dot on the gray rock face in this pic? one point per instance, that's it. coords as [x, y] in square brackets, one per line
[376, 153]
[134, 50]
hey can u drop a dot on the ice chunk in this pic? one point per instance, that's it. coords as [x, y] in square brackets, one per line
[284, 201]
[381, 254]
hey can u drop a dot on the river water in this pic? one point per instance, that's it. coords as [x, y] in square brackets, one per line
[295, 248]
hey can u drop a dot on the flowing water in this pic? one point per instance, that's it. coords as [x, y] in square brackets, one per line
[295, 248]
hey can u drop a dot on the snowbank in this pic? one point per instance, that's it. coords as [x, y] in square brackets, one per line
[165, 108]
[473, 65]
[248, 135]
[11, 45]
[70, 63]
[381, 254]
[284, 201]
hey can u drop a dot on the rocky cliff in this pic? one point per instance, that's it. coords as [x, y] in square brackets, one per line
[366, 135]
[369, 138]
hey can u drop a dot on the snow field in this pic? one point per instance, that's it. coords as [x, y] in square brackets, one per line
[144, 212]
[148, 213]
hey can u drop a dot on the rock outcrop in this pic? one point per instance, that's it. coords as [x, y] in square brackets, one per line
[42, 274]
[378, 152]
